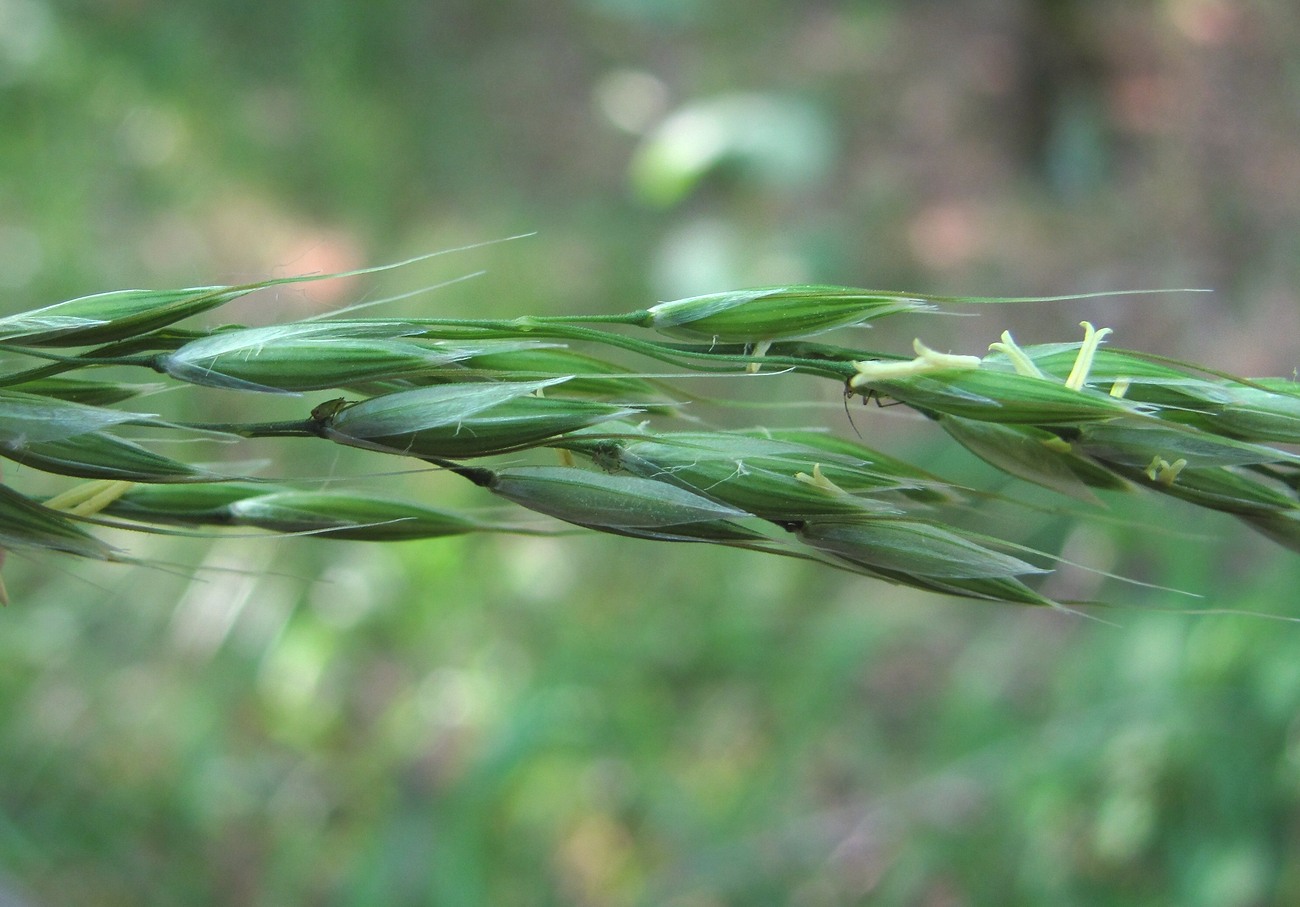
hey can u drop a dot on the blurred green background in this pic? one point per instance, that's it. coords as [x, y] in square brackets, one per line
[597, 721]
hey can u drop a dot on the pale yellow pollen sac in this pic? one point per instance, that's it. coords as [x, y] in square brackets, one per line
[927, 360]
[936, 360]
[1162, 471]
[818, 480]
[1120, 388]
[882, 370]
[90, 498]
[1087, 352]
[759, 351]
[1020, 360]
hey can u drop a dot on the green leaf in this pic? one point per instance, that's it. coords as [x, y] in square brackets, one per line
[776, 140]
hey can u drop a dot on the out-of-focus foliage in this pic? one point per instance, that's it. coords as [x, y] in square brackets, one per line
[496, 721]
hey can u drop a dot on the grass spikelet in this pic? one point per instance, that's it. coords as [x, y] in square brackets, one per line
[83, 391]
[616, 502]
[926, 556]
[191, 505]
[346, 515]
[27, 418]
[620, 505]
[756, 475]
[465, 420]
[25, 524]
[316, 356]
[100, 455]
[991, 396]
[775, 313]
[1035, 455]
[117, 315]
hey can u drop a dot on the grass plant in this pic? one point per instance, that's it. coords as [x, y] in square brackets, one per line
[615, 450]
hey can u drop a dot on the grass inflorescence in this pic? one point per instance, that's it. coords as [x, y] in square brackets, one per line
[1079, 418]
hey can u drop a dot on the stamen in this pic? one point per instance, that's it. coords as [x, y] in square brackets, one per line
[819, 480]
[1162, 471]
[89, 498]
[1020, 360]
[1087, 352]
[927, 360]
[934, 360]
[883, 370]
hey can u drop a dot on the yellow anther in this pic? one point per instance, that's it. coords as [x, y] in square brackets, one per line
[1060, 445]
[927, 360]
[935, 360]
[760, 350]
[818, 480]
[1154, 466]
[1120, 387]
[883, 370]
[89, 498]
[1162, 471]
[1087, 352]
[1020, 360]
